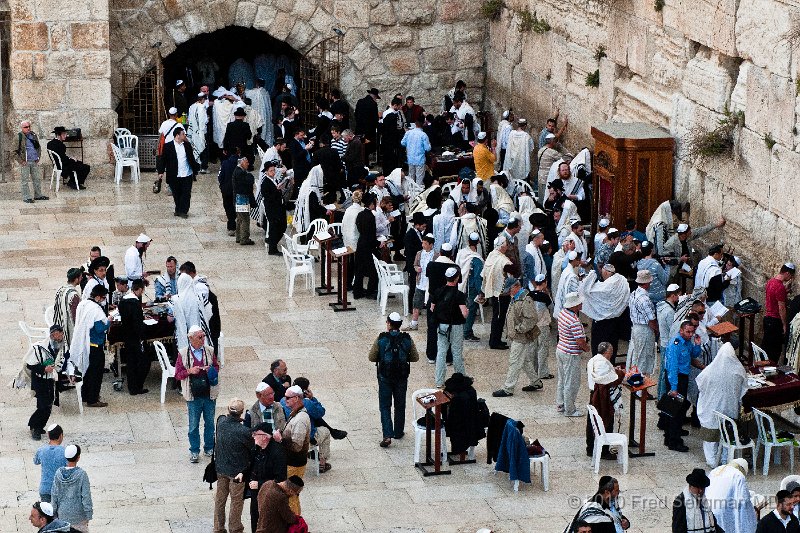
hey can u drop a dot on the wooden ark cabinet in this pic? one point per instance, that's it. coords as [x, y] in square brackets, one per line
[632, 169]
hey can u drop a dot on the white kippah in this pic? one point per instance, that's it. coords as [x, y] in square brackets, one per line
[194, 329]
[450, 272]
[143, 238]
[395, 317]
[505, 114]
[201, 95]
[572, 255]
[474, 236]
[447, 247]
[540, 278]
[51, 427]
[47, 509]
[173, 111]
[295, 390]
[682, 228]
[261, 387]
[178, 83]
[499, 241]
[70, 452]
[482, 135]
[604, 223]
[536, 232]
[672, 287]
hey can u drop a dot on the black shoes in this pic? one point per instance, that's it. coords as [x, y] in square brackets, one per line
[338, 434]
[28, 201]
[501, 394]
[42, 197]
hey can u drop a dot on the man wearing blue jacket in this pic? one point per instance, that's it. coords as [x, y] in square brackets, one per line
[319, 434]
[681, 353]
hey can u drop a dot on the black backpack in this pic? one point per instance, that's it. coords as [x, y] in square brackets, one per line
[393, 363]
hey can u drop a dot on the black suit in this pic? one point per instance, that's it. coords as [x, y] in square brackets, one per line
[278, 387]
[69, 165]
[366, 116]
[237, 133]
[274, 212]
[138, 363]
[181, 185]
[436, 280]
[679, 517]
[391, 134]
[341, 107]
[366, 247]
[300, 161]
[412, 244]
[353, 160]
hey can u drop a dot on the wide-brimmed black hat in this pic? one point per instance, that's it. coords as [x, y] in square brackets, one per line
[419, 218]
[698, 478]
[239, 112]
[375, 92]
[59, 129]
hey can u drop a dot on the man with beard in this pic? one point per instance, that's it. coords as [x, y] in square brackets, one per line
[44, 360]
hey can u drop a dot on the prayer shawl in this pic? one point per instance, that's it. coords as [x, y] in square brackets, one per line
[722, 385]
[63, 310]
[558, 265]
[600, 371]
[706, 269]
[222, 113]
[518, 155]
[501, 201]
[166, 282]
[526, 209]
[591, 512]
[302, 210]
[254, 118]
[261, 103]
[581, 161]
[463, 226]
[198, 124]
[492, 274]
[464, 262]
[503, 131]
[539, 266]
[567, 284]
[604, 299]
[472, 197]
[419, 203]
[793, 348]
[443, 225]
[462, 112]
[568, 211]
[458, 196]
[90, 284]
[730, 499]
[88, 313]
[187, 307]
[699, 518]
[660, 227]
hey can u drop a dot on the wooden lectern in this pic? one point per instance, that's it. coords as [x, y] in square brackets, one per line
[632, 169]
[433, 402]
[341, 303]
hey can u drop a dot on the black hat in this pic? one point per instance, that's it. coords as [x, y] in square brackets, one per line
[418, 218]
[557, 184]
[56, 327]
[98, 262]
[375, 92]
[239, 112]
[266, 427]
[59, 129]
[698, 478]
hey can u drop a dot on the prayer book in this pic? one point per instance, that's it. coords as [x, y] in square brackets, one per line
[718, 309]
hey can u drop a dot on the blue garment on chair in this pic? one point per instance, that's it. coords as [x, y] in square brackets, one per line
[513, 455]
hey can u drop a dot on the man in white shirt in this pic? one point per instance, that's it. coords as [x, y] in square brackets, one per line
[179, 164]
[134, 263]
[167, 128]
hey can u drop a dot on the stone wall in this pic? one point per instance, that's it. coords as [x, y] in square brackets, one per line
[679, 68]
[415, 47]
[60, 69]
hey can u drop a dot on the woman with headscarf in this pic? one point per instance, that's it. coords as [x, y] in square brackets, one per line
[605, 393]
[188, 310]
[443, 225]
[309, 200]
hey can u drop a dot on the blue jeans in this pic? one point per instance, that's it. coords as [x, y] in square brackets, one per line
[205, 407]
[472, 307]
[389, 390]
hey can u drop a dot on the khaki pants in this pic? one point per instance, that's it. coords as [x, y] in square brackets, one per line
[541, 350]
[520, 357]
[83, 527]
[31, 172]
[569, 380]
[242, 227]
[299, 471]
[642, 350]
[226, 487]
[323, 438]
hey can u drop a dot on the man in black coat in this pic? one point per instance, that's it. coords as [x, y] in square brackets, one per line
[268, 463]
[340, 107]
[225, 179]
[278, 378]
[697, 482]
[301, 157]
[237, 135]
[137, 362]
[366, 246]
[437, 279]
[366, 116]
[178, 163]
[392, 132]
[413, 245]
[353, 158]
[68, 165]
[274, 208]
[781, 520]
[243, 183]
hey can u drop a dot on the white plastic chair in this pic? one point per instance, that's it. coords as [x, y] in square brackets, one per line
[788, 479]
[544, 465]
[336, 227]
[522, 186]
[167, 370]
[122, 162]
[313, 456]
[298, 265]
[769, 438]
[447, 188]
[55, 176]
[33, 334]
[601, 438]
[729, 439]
[49, 315]
[221, 349]
[129, 144]
[119, 132]
[419, 430]
[391, 281]
[758, 353]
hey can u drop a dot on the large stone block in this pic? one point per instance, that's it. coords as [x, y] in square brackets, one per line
[89, 35]
[38, 94]
[708, 22]
[303, 10]
[89, 94]
[783, 183]
[471, 31]
[97, 64]
[29, 36]
[437, 58]
[456, 10]
[627, 43]
[394, 37]
[469, 55]
[361, 55]
[246, 14]
[668, 51]
[770, 104]
[178, 32]
[707, 81]
[761, 30]
[352, 13]
[415, 12]
[403, 63]
[382, 14]
[436, 35]
[21, 10]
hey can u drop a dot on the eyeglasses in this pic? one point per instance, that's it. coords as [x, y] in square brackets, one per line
[26, 127]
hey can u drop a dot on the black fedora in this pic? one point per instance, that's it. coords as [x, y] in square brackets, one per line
[698, 478]
[59, 130]
[239, 112]
[375, 92]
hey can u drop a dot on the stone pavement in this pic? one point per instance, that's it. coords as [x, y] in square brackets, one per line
[136, 450]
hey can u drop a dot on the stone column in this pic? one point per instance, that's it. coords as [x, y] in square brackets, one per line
[60, 72]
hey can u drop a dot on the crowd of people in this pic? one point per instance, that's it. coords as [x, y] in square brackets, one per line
[510, 235]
